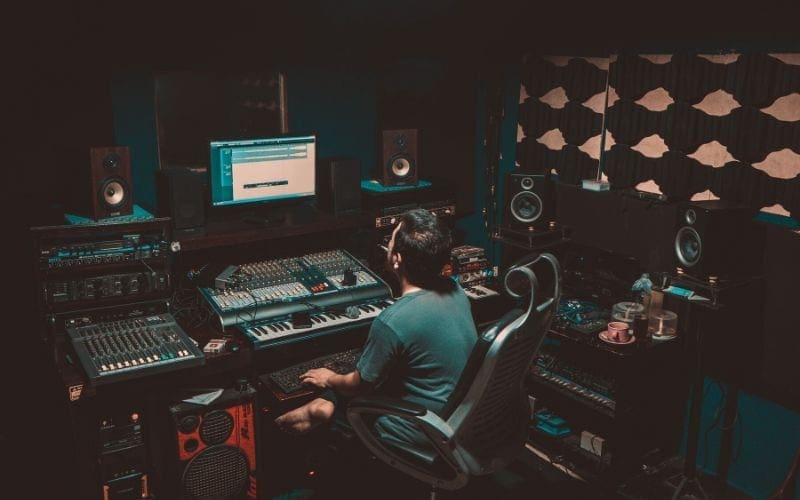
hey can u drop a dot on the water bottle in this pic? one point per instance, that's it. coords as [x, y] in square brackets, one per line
[642, 291]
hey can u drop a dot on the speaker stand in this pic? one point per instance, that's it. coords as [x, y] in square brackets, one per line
[688, 482]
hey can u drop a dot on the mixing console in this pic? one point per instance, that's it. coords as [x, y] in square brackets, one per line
[131, 347]
[272, 288]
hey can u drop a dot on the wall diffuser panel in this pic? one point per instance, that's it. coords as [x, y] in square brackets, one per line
[698, 126]
[560, 120]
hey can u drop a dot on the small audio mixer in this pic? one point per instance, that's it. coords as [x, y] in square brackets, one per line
[271, 288]
[131, 343]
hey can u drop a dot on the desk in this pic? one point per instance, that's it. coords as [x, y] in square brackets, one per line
[150, 397]
[124, 428]
[631, 398]
[299, 221]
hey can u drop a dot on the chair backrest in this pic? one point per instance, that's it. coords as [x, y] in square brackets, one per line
[489, 410]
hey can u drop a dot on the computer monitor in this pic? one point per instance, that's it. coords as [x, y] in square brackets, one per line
[248, 173]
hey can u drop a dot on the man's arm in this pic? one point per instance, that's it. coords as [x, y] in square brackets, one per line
[348, 384]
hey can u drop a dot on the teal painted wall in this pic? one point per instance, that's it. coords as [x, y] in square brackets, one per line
[474, 225]
[133, 103]
[765, 439]
[338, 104]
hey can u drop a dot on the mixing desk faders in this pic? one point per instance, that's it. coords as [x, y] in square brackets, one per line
[272, 288]
[111, 350]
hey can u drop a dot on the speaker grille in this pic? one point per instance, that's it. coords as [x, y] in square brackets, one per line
[216, 427]
[218, 472]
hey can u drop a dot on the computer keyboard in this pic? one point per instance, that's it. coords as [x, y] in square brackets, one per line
[288, 379]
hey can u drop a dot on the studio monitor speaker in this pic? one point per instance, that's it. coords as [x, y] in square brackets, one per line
[111, 185]
[718, 239]
[181, 195]
[400, 157]
[339, 185]
[216, 447]
[529, 201]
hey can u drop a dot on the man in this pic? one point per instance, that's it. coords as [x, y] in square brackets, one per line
[416, 348]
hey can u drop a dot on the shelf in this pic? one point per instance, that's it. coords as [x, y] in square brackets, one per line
[297, 222]
[535, 240]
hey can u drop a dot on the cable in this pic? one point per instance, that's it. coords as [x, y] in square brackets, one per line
[717, 419]
[737, 421]
[187, 305]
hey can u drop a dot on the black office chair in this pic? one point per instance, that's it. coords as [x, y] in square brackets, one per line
[485, 422]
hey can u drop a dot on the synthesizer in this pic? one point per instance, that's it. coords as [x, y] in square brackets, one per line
[269, 289]
[589, 387]
[277, 331]
[130, 343]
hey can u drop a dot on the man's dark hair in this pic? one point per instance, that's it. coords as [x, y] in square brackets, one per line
[424, 242]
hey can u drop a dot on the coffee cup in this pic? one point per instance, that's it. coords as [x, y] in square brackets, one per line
[618, 331]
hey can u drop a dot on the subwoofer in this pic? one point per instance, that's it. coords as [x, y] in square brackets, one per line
[530, 201]
[400, 157]
[718, 239]
[339, 185]
[111, 183]
[216, 447]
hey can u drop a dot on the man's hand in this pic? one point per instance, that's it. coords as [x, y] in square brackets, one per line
[318, 377]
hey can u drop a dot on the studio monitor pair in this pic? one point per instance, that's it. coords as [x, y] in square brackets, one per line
[400, 157]
[111, 184]
[216, 447]
[529, 201]
[717, 239]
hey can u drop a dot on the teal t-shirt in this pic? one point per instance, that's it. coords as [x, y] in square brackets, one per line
[416, 351]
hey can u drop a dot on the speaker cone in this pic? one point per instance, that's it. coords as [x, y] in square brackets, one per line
[114, 192]
[688, 246]
[526, 183]
[401, 166]
[526, 207]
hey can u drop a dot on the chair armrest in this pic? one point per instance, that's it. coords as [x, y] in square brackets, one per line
[436, 430]
[380, 404]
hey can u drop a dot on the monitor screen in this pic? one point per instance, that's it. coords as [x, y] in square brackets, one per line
[251, 171]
